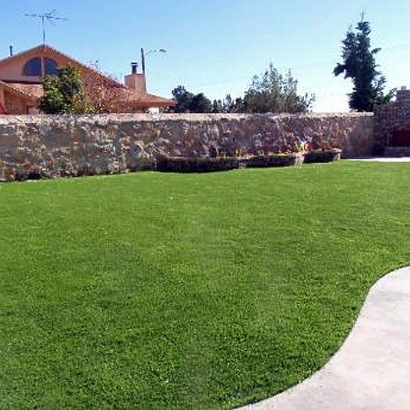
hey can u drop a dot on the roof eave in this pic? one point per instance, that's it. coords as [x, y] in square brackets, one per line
[19, 92]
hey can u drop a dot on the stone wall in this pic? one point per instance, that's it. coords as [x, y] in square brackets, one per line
[50, 146]
[392, 126]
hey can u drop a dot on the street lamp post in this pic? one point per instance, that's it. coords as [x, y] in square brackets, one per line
[143, 55]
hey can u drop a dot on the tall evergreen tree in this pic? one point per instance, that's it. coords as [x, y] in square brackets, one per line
[360, 66]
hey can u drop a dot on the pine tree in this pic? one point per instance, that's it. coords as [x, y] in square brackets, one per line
[359, 64]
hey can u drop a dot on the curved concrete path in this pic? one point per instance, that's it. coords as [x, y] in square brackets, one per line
[372, 368]
[382, 159]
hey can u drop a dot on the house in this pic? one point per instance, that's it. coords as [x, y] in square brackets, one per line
[21, 75]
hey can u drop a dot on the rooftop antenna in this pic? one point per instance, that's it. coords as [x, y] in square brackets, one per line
[50, 17]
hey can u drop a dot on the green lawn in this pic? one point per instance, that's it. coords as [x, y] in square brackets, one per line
[190, 291]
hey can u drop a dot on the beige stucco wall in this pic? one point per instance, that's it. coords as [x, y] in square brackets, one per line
[12, 70]
[136, 82]
[72, 145]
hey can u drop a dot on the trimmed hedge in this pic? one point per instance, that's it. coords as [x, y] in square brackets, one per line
[323, 155]
[277, 160]
[193, 164]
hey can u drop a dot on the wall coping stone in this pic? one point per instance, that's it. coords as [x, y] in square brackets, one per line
[103, 118]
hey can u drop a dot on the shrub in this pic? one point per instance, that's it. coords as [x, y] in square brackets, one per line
[192, 164]
[328, 155]
[279, 160]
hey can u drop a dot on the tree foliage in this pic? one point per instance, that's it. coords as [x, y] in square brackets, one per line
[188, 102]
[200, 103]
[76, 91]
[274, 92]
[63, 93]
[269, 92]
[228, 105]
[183, 99]
[359, 64]
[102, 94]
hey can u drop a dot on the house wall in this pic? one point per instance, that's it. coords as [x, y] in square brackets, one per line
[2, 102]
[15, 105]
[72, 145]
[12, 70]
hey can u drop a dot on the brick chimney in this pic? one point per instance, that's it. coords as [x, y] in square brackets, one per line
[135, 81]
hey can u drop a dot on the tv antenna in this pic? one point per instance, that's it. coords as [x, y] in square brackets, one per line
[50, 17]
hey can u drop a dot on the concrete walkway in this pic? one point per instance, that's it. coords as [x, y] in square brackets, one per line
[371, 371]
[382, 159]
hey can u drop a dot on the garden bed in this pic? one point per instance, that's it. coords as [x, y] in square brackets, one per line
[320, 155]
[166, 163]
[204, 164]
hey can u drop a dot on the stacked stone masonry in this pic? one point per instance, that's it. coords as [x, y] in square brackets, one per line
[53, 146]
[392, 126]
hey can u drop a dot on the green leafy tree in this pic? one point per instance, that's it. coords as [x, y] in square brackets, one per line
[52, 101]
[183, 99]
[200, 103]
[360, 66]
[229, 105]
[274, 92]
[189, 102]
[217, 106]
[63, 94]
[239, 106]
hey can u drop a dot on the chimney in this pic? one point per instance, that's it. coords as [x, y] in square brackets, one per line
[11, 50]
[135, 81]
[134, 67]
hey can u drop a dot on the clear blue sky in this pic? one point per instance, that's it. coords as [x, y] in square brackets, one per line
[216, 46]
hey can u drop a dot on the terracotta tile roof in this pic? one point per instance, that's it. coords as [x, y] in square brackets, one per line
[14, 56]
[106, 78]
[34, 90]
[15, 90]
[147, 100]
[157, 101]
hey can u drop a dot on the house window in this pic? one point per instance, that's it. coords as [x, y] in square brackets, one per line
[33, 67]
[51, 66]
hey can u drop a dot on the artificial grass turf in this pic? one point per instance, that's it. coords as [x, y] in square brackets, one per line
[188, 291]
